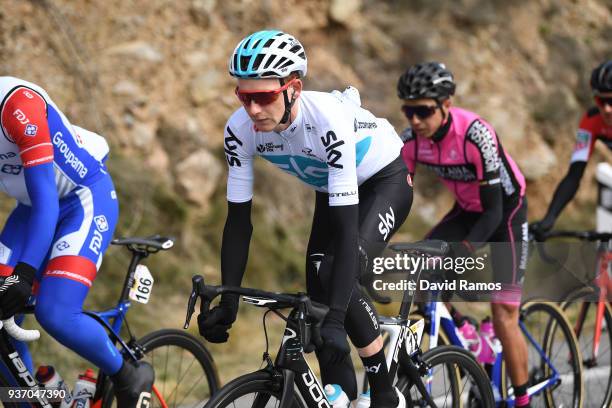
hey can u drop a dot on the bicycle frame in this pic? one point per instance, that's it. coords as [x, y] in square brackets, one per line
[603, 282]
[295, 370]
[440, 318]
[112, 319]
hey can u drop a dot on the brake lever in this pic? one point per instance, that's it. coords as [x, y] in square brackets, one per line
[197, 284]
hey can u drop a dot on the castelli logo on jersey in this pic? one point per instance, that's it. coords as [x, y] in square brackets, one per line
[480, 135]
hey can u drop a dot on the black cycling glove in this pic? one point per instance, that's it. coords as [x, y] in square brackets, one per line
[335, 346]
[541, 227]
[16, 290]
[215, 323]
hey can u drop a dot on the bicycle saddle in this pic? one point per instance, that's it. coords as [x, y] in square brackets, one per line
[151, 244]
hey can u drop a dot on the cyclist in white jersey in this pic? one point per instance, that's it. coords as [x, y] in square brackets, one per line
[352, 160]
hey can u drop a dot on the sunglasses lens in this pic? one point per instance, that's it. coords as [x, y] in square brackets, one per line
[264, 98]
[421, 111]
[603, 101]
[260, 98]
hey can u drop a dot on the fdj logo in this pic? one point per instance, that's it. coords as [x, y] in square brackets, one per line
[96, 242]
[12, 169]
[315, 390]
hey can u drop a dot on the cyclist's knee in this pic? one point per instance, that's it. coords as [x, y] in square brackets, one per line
[505, 316]
[53, 317]
[372, 348]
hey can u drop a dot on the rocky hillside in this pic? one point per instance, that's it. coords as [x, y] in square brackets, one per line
[151, 76]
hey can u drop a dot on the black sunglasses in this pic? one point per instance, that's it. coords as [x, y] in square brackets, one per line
[421, 111]
[603, 101]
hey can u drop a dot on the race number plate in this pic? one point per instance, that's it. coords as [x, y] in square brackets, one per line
[143, 284]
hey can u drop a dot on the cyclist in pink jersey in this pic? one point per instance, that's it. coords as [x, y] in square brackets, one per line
[466, 154]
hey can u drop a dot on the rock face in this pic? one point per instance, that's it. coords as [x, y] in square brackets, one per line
[198, 176]
[139, 50]
[131, 70]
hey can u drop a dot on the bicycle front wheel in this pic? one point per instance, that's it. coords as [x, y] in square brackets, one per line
[185, 374]
[455, 379]
[548, 329]
[594, 345]
[254, 390]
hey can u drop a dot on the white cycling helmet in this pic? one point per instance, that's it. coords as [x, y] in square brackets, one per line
[268, 54]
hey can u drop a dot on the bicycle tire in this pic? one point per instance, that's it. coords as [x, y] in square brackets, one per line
[260, 383]
[556, 332]
[593, 370]
[166, 383]
[462, 369]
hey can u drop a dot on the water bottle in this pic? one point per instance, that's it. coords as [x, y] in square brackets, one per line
[49, 378]
[363, 401]
[491, 346]
[84, 389]
[470, 336]
[336, 396]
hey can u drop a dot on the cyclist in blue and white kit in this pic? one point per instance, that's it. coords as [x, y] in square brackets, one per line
[363, 195]
[56, 236]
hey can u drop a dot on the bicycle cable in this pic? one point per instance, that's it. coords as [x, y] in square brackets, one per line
[266, 355]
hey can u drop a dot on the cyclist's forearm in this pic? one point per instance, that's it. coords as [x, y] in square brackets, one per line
[346, 255]
[40, 184]
[235, 243]
[491, 197]
[566, 190]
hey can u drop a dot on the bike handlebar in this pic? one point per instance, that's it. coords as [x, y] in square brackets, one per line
[17, 332]
[310, 314]
[583, 235]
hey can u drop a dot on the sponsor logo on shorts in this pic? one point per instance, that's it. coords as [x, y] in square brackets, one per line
[387, 222]
[62, 245]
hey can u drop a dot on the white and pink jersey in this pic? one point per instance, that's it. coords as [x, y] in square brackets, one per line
[468, 155]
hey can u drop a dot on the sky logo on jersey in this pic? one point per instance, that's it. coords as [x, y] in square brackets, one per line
[310, 171]
[231, 143]
[331, 143]
[30, 130]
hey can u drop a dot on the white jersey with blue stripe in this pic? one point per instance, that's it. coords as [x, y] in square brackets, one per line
[333, 145]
